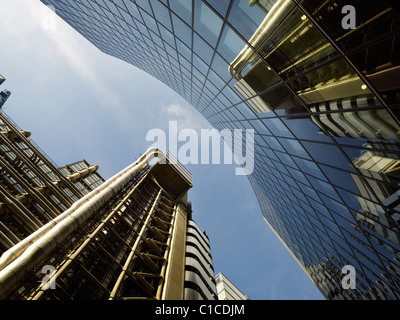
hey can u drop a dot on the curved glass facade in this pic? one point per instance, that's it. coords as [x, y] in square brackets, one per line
[323, 101]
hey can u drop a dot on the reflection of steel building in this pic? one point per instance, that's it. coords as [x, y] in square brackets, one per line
[125, 239]
[375, 125]
[381, 169]
[290, 71]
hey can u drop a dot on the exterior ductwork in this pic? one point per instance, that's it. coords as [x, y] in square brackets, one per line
[279, 10]
[21, 258]
[82, 173]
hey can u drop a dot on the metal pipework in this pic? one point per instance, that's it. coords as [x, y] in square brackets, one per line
[133, 250]
[39, 173]
[272, 19]
[35, 192]
[164, 265]
[90, 237]
[28, 219]
[82, 173]
[21, 258]
[23, 135]
[12, 135]
[9, 233]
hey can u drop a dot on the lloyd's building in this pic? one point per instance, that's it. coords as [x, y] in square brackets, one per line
[318, 82]
[127, 238]
[68, 234]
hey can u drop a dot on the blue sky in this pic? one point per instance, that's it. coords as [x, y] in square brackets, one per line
[82, 104]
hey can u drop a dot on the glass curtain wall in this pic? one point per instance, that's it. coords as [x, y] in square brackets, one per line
[323, 102]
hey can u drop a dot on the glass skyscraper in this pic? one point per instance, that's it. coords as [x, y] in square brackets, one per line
[318, 82]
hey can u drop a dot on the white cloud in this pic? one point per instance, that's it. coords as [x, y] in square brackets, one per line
[66, 42]
[84, 60]
[187, 117]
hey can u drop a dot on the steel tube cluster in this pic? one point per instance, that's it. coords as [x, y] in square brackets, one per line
[21, 258]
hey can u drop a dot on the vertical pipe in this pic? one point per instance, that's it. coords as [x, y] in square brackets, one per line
[5, 241]
[89, 238]
[133, 250]
[38, 197]
[67, 202]
[17, 261]
[30, 221]
[9, 233]
[164, 265]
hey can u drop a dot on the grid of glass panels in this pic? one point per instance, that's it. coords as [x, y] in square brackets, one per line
[322, 102]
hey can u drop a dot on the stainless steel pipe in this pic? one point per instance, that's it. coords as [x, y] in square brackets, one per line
[21, 258]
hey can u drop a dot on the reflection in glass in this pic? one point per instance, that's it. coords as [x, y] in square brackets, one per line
[327, 146]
